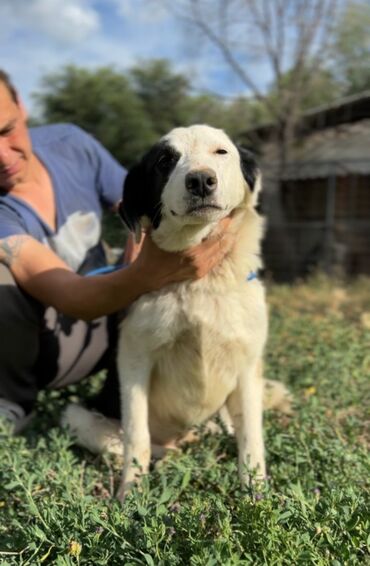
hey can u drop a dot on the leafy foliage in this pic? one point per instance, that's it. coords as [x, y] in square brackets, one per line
[128, 112]
[55, 500]
[324, 89]
[352, 47]
[103, 103]
[164, 95]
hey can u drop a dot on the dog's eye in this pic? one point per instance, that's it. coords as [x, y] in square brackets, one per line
[221, 151]
[165, 161]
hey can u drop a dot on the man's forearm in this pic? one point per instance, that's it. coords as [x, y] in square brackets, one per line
[47, 278]
[87, 298]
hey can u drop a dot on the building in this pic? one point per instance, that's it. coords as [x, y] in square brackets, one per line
[319, 214]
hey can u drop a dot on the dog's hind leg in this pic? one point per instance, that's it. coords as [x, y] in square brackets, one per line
[211, 427]
[93, 430]
[100, 434]
[277, 397]
[226, 420]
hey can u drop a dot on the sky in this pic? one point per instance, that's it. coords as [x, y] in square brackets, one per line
[40, 36]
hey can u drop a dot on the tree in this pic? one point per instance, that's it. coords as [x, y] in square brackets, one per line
[233, 116]
[324, 89]
[243, 113]
[102, 102]
[289, 35]
[352, 47]
[163, 93]
[169, 102]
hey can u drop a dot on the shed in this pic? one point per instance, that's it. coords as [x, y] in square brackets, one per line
[319, 214]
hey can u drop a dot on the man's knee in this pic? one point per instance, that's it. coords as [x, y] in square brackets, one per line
[15, 305]
[20, 320]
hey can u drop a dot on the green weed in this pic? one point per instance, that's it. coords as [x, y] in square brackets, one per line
[56, 504]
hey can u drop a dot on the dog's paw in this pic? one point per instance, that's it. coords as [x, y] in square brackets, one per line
[130, 479]
[253, 477]
[93, 431]
[276, 396]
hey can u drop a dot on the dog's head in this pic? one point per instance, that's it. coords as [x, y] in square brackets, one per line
[193, 176]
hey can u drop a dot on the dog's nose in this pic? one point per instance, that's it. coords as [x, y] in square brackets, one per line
[201, 183]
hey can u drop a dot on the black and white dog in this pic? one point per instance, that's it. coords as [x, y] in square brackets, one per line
[192, 349]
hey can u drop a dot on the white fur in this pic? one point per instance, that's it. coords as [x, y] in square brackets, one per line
[93, 430]
[193, 349]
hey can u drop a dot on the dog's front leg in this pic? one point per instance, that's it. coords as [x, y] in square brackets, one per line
[245, 406]
[134, 373]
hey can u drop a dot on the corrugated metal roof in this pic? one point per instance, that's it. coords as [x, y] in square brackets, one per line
[341, 111]
[317, 169]
[335, 151]
[345, 101]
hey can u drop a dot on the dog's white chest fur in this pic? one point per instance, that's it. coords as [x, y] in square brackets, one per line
[198, 340]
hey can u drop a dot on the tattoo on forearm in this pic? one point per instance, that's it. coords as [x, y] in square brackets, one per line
[10, 249]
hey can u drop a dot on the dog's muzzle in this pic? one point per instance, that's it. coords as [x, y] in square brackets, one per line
[201, 184]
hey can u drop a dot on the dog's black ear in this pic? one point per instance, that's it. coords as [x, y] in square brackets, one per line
[132, 206]
[248, 166]
[144, 184]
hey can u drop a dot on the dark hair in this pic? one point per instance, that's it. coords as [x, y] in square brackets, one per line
[5, 80]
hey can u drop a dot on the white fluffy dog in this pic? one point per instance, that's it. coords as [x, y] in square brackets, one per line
[191, 349]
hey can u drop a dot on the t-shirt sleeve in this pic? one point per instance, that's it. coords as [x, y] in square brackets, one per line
[110, 175]
[10, 223]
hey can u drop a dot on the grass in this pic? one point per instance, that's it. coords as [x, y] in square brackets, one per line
[56, 503]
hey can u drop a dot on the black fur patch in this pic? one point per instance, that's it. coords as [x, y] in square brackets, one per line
[144, 185]
[248, 165]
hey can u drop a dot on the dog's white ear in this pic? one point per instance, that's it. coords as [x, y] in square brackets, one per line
[251, 172]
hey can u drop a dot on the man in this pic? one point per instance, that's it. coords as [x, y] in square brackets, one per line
[57, 326]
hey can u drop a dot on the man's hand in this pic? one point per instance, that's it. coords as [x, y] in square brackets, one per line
[160, 268]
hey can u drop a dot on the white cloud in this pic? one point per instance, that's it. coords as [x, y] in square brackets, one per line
[144, 11]
[62, 20]
[38, 37]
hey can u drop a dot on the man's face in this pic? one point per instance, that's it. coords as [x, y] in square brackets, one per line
[15, 143]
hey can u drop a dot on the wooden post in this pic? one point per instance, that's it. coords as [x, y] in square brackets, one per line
[329, 224]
